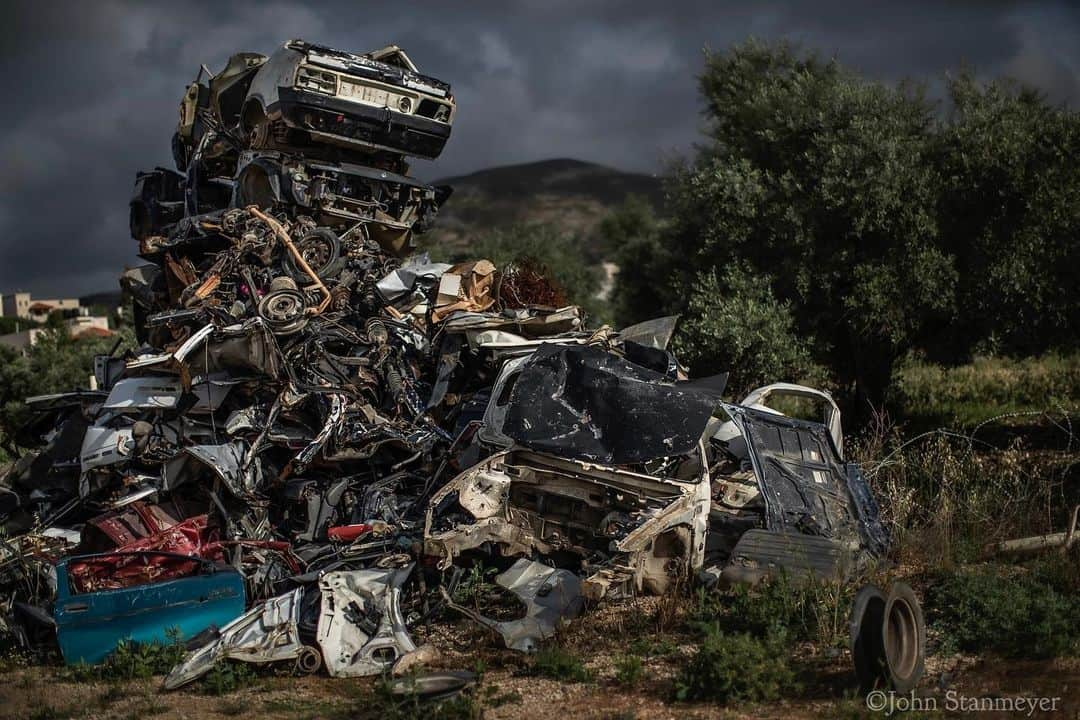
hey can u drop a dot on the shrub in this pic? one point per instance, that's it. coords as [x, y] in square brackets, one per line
[734, 323]
[135, 661]
[1017, 613]
[736, 667]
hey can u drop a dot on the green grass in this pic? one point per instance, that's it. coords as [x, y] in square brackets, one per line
[809, 609]
[986, 388]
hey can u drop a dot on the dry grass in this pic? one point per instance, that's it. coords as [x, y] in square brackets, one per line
[947, 497]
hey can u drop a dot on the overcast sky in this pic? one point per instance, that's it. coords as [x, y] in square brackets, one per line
[92, 87]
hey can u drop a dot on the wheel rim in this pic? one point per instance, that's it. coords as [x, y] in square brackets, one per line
[901, 639]
[316, 252]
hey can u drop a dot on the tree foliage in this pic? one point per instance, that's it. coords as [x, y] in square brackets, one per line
[734, 323]
[55, 363]
[870, 220]
[1010, 206]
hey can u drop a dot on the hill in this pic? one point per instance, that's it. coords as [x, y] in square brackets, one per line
[106, 298]
[572, 194]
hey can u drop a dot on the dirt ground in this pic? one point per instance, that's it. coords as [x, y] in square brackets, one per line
[506, 689]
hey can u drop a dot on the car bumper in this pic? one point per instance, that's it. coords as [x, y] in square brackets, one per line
[360, 124]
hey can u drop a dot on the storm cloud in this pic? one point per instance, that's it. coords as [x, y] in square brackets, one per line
[93, 88]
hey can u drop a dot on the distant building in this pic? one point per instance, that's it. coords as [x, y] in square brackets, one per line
[80, 326]
[21, 340]
[22, 305]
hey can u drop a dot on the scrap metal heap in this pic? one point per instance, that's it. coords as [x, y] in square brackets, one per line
[324, 435]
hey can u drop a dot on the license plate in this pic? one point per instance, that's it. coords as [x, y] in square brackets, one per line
[366, 94]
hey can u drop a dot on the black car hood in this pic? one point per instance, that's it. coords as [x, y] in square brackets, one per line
[584, 403]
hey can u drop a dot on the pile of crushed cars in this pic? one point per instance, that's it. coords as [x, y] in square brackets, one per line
[317, 438]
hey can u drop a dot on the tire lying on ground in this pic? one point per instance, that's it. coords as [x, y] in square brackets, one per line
[888, 638]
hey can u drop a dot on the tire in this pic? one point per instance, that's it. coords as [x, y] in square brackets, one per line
[867, 638]
[309, 661]
[255, 125]
[260, 136]
[904, 638]
[321, 249]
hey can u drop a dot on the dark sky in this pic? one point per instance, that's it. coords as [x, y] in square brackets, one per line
[92, 87]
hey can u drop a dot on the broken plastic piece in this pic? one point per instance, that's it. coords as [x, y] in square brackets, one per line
[361, 629]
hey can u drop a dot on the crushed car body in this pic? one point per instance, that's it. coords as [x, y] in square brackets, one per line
[195, 596]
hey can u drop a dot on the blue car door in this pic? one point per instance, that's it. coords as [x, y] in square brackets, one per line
[89, 625]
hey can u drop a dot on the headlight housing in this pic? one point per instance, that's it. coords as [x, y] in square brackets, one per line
[316, 80]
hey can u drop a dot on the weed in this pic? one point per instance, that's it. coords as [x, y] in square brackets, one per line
[629, 670]
[1015, 613]
[475, 586]
[559, 663]
[809, 610]
[133, 661]
[225, 677]
[13, 658]
[942, 492]
[671, 603]
[736, 667]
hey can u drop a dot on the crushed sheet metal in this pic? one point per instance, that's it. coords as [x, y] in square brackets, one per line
[269, 632]
[551, 597]
[224, 461]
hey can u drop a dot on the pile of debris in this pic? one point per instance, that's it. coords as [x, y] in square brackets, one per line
[316, 437]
